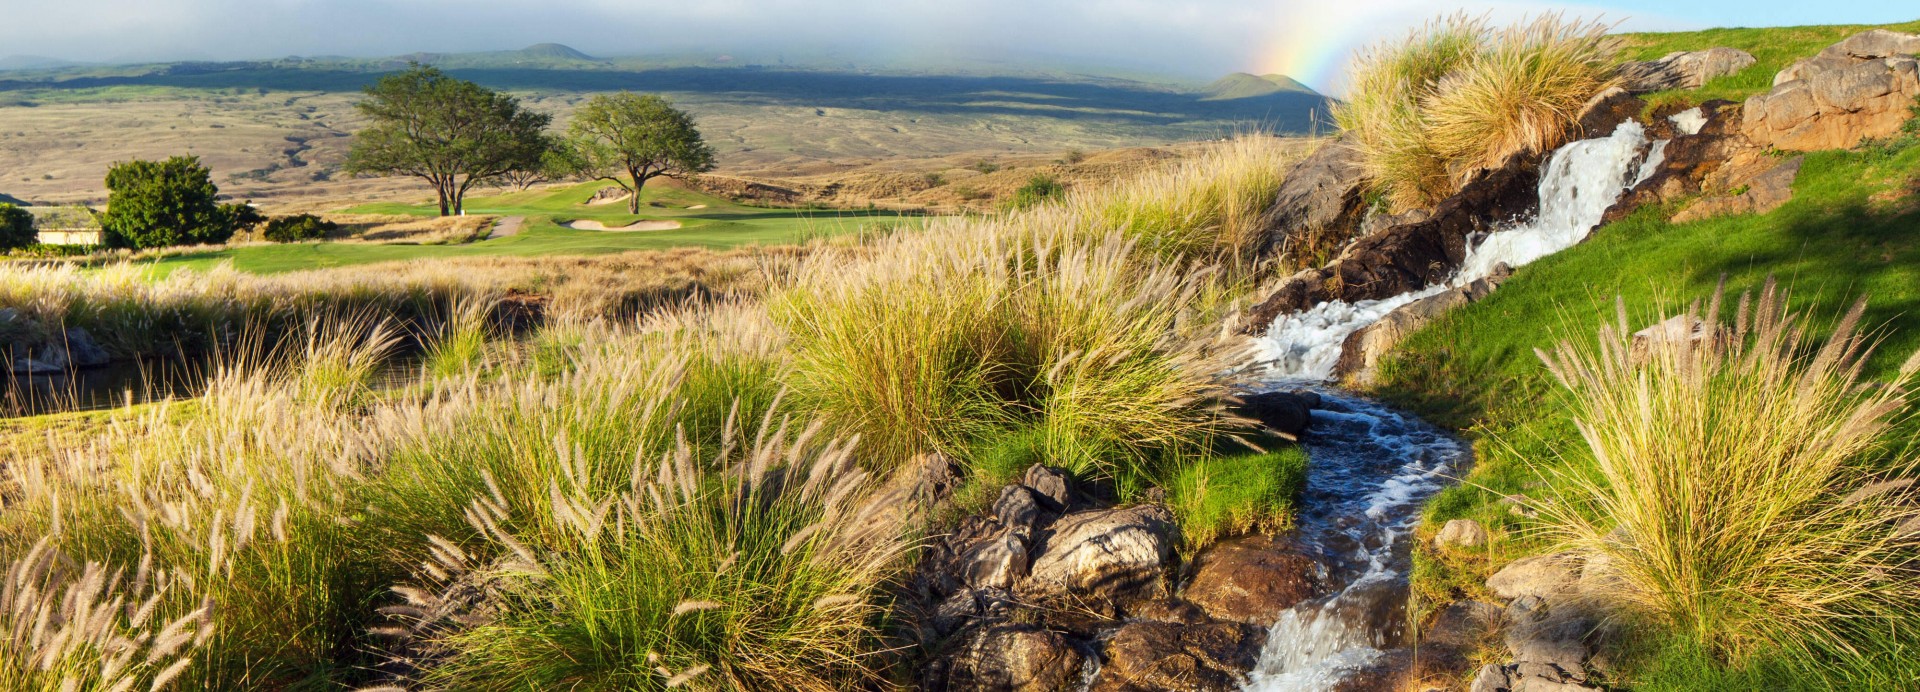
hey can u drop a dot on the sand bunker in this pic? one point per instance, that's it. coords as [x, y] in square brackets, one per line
[638, 226]
[698, 206]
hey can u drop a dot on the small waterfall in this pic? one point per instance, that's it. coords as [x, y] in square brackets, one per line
[1373, 467]
[1581, 181]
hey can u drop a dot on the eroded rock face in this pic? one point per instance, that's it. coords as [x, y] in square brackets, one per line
[1110, 556]
[1152, 656]
[1861, 88]
[1321, 198]
[1412, 256]
[1688, 161]
[1250, 580]
[1684, 69]
[1009, 657]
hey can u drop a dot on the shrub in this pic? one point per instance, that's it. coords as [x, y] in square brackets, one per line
[289, 229]
[1456, 95]
[1739, 483]
[162, 203]
[985, 166]
[1038, 189]
[16, 228]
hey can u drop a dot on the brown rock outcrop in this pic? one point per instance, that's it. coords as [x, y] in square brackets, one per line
[1684, 69]
[1318, 205]
[1250, 580]
[1861, 88]
[1147, 656]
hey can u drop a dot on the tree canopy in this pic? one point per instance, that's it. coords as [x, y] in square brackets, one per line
[640, 137]
[163, 203]
[16, 227]
[453, 133]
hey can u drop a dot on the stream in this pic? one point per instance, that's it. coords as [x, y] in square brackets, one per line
[1373, 468]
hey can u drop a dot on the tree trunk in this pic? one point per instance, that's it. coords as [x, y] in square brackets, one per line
[633, 200]
[440, 188]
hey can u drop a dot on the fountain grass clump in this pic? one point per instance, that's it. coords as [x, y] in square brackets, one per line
[1457, 96]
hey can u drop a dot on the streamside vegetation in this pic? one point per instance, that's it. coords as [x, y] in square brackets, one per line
[1458, 95]
[713, 495]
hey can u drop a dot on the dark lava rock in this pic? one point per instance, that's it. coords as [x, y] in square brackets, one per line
[1251, 580]
[1156, 656]
[1319, 204]
[1007, 657]
[1413, 256]
[1287, 413]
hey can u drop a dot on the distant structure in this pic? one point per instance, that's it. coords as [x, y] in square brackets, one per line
[66, 225]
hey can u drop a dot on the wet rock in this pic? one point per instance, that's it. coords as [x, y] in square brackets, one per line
[1108, 556]
[1051, 486]
[1688, 160]
[1008, 657]
[1858, 89]
[1319, 204]
[1539, 576]
[1251, 579]
[1762, 194]
[83, 351]
[1287, 414]
[1462, 533]
[1604, 113]
[1684, 69]
[1390, 671]
[1144, 656]
[1413, 256]
[1361, 353]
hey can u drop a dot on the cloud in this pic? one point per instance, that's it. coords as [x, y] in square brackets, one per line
[1194, 37]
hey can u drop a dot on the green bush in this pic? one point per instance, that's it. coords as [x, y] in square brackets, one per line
[1039, 189]
[164, 203]
[16, 228]
[288, 229]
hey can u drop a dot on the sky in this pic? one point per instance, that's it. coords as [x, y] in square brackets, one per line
[1307, 39]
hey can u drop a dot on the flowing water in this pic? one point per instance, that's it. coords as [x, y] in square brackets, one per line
[1373, 467]
[1580, 182]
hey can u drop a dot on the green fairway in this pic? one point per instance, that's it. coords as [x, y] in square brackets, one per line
[706, 221]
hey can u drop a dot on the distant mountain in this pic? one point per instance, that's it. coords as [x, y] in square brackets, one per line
[33, 62]
[1241, 85]
[555, 51]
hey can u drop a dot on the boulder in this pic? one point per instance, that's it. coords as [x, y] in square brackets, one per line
[1362, 351]
[1462, 533]
[1672, 330]
[1145, 655]
[1861, 88]
[1018, 509]
[1318, 205]
[997, 563]
[1050, 487]
[1683, 69]
[1604, 113]
[1109, 556]
[83, 351]
[1008, 657]
[1876, 44]
[1287, 414]
[1412, 256]
[1760, 194]
[1251, 580]
[1539, 576]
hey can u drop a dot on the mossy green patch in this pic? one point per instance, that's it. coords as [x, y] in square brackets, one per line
[1220, 496]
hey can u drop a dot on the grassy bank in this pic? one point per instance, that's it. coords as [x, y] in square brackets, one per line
[1773, 48]
[1848, 232]
[706, 497]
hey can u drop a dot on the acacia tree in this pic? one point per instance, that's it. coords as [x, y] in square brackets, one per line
[450, 132]
[640, 137]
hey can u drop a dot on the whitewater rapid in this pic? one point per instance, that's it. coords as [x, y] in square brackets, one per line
[1581, 181]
